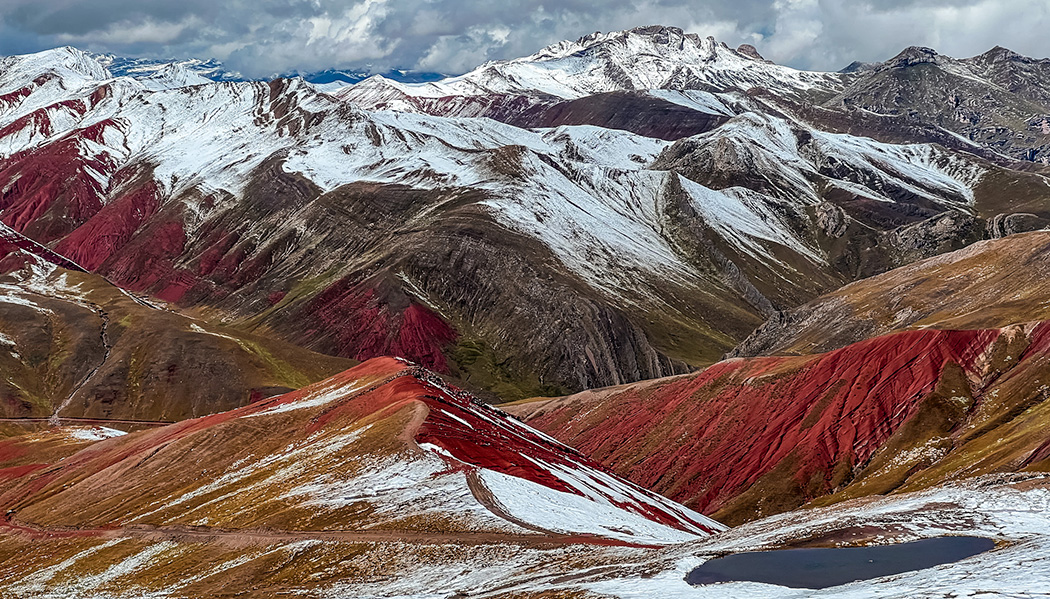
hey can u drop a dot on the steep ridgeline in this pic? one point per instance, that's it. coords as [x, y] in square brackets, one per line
[998, 100]
[897, 412]
[525, 261]
[382, 458]
[655, 81]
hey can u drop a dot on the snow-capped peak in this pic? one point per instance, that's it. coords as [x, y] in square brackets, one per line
[654, 39]
[141, 68]
[72, 59]
[643, 58]
[172, 76]
[75, 67]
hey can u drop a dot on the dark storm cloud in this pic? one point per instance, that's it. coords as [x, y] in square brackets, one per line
[262, 37]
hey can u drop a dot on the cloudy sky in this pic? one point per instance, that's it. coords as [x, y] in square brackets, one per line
[263, 37]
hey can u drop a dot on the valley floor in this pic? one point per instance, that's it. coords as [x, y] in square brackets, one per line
[194, 562]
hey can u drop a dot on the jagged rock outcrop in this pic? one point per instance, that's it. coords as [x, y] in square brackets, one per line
[1002, 225]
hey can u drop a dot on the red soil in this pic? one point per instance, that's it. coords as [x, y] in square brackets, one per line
[365, 326]
[476, 434]
[38, 120]
[19, 471]
[16, 250]
[705, 439]
[111, 227]
[12, 98]
[147, 261]
[49, 191]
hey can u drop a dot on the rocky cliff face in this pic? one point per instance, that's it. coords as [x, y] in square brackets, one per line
[998, 99]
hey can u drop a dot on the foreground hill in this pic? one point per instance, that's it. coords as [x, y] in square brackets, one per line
[746, 438]
[383, 481]
[385, 453]
[340, 454]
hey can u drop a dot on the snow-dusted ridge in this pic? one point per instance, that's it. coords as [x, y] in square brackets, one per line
[142, 68]
[643, 58]
[585, 192]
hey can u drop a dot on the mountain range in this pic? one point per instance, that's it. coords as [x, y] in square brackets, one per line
[250, 331]
[214, 70]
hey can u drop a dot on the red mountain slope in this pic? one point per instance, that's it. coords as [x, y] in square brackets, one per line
[763, 435]
[383, 446]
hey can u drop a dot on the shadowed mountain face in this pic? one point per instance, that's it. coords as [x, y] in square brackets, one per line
[74, 346]
[998, 100]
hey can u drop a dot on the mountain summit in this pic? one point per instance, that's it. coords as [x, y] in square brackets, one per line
[636, 59]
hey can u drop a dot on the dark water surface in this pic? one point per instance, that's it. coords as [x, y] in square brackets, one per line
[822, 568]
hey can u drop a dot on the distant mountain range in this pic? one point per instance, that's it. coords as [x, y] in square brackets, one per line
[642, 198]
[215, 70]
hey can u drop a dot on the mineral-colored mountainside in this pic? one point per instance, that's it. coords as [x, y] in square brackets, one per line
[250, 331]
[316, 518]
[902, 411]
[655, 198]
[383, 454]
[384, 481]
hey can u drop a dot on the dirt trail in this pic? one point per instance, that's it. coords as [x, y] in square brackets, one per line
[10, 525]
[102, 421]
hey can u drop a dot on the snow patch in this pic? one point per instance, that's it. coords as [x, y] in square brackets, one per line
[569, 513]
[93, 433]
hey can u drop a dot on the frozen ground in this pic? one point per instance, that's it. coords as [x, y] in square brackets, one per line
[1014, 514]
